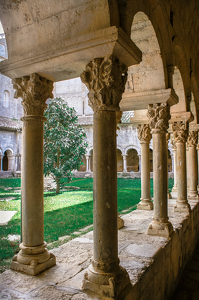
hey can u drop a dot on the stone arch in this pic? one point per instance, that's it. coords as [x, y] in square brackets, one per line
[119, 160]
[6, 99]
[132, 160]
[8, 160]
[158, 16]
[138, 149]
[195, 97]
[149, 74]
[180, 91]
[181, 63]
[121, 149]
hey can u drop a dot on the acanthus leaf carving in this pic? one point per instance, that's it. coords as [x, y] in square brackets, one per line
[144, 133]
[192, 138]
[180, 132]
[105, 79]
[34, 91]
[159, 116]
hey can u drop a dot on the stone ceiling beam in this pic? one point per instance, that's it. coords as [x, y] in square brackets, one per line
[68, 60]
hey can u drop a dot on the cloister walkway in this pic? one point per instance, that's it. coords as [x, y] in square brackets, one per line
[152, 262]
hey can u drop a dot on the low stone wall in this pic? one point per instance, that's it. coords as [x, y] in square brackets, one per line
[119, 174]
[160, 279]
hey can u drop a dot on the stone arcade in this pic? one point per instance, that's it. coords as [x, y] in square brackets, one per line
[101, 41]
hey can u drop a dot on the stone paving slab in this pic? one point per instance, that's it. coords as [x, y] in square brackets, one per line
[6, 216]
[64, 281]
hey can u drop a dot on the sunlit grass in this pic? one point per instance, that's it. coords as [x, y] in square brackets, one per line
[64, 213]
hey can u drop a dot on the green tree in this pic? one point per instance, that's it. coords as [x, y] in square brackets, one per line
[64, 141]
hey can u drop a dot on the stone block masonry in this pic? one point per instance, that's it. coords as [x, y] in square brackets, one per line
[154, 264]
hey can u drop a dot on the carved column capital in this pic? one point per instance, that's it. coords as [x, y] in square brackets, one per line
[192, 138]
[105, 79]
[34, 91]
[144, 133]
[159, 116]
[180, 132]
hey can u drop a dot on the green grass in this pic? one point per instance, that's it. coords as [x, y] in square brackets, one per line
[64, 213]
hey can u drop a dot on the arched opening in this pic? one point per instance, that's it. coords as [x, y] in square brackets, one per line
[6, 99]
[149, 74]
[132, 161]
[169, 161]
[151, 160]
[179, 89]
[5, 162]
[119, 161]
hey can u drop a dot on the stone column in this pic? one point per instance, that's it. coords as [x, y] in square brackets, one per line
[87, 163]
[33, 257]
[105, 79]
[11, 159]
[140, 163]
[198, 165]
[187, 166]
[174, 189]
[180, 138]
[167, 142]
[144, 135]
[193, 166]
[124, 163]
[159, 115]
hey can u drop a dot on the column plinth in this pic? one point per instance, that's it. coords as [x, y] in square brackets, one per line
[144, 136]
[33, 256]
[105, 79]
[180, 138]
[159, 115]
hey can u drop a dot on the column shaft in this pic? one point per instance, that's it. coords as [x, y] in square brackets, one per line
[32, 182]
[124, 164]
[105, 187]
[193, 181]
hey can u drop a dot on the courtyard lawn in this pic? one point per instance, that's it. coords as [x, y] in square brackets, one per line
[64, 214]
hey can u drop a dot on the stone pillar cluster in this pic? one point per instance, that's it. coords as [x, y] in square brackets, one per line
[33, 256]
[105, 79]
[88, 163]
[145, 136]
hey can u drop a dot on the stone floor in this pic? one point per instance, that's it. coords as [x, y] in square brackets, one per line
[136, 252]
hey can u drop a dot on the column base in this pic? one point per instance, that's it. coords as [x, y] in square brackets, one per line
[182, 207]
[120, 222]
[193, 194]
[145, 204]
[33, 269]
[114, 285]
[33, 260]
[160, 229]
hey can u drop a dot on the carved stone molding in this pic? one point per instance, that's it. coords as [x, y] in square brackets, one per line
[180, 132]
[105, 79]
[34, 91]
[159, 115]
[144, 133]
[192, 138]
